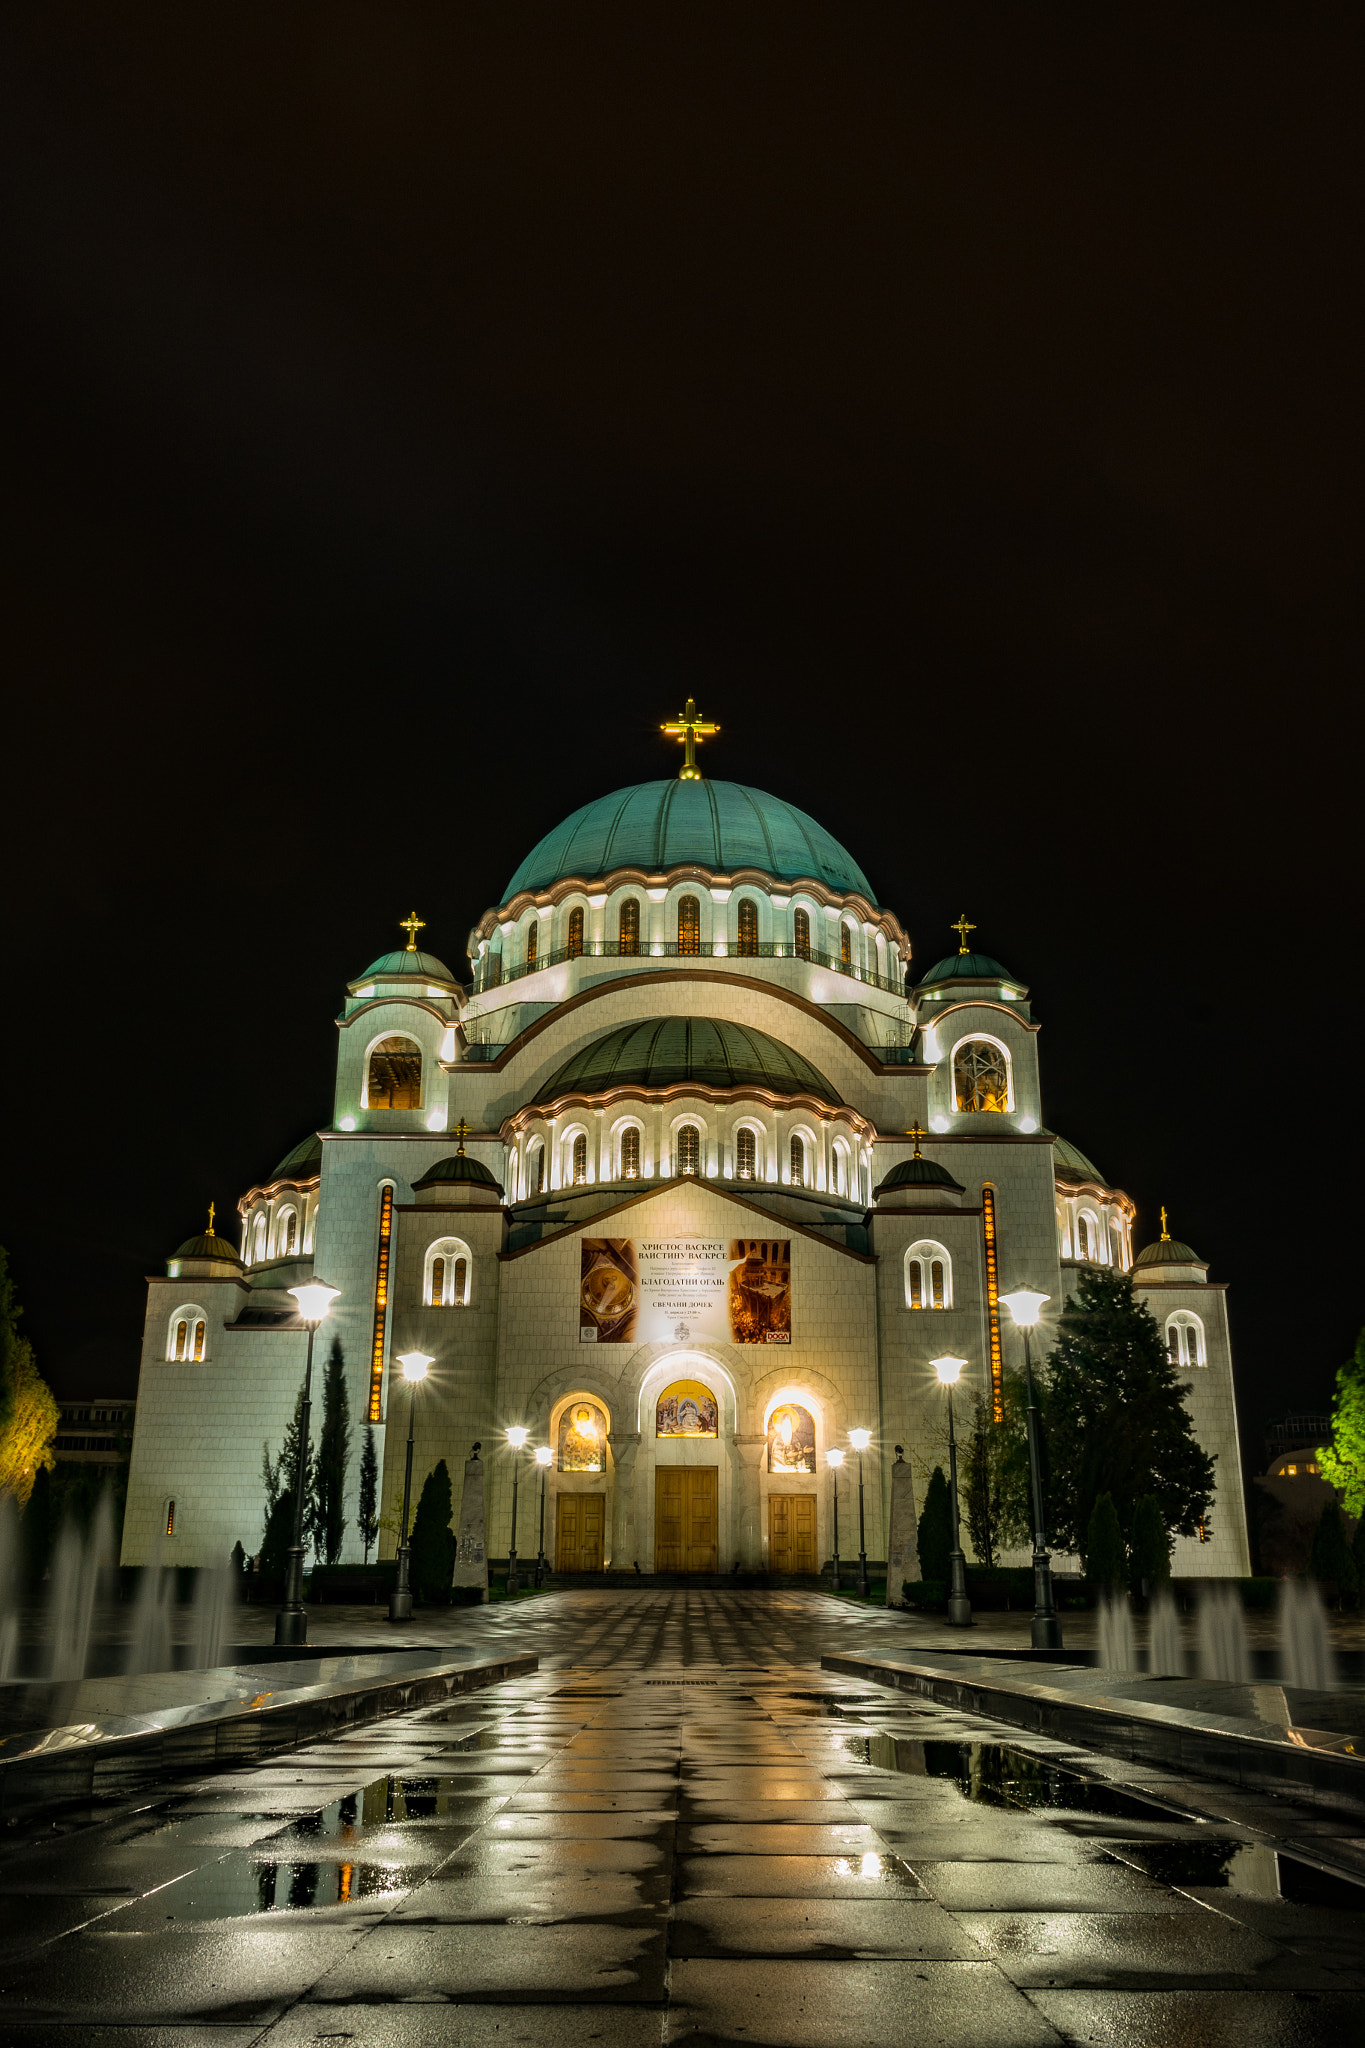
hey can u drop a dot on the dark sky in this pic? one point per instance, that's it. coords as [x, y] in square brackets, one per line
[408, 406]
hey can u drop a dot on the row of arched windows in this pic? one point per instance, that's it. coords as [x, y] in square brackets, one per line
[928, 1276]
[752, 1159]
[282, 1243]
[1185, 1339]
[629, 942]
[188, 1332]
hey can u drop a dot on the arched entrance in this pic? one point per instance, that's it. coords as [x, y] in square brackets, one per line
[687, 1427]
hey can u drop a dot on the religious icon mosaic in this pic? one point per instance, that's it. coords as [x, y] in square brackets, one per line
[687, 1408]
[791, 1439]
[681, 1290]
[582, 1438]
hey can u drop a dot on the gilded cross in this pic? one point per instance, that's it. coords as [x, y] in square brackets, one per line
[412, 924]
[962, 928]
[461, 1132]
[210, 1219]
[1165, 1233]
[689, 727]
[917, 1132]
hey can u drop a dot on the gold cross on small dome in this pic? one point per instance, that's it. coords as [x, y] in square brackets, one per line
[689, 726]
[412, 924]
[461, 1132]
[917, 1132]
[210, 1219]
[1165, 1233]
[962, 928]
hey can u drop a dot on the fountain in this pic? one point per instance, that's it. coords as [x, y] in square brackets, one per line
[1306, 1658]
[1118, 1650]
[1223, 1649]
[215, 1614]
[76, 1566]
[1165, 1653]
[150, 1649]
[9, 1587]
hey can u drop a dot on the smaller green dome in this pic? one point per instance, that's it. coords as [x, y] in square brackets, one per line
[459, 1167]
[969, 967]
[918, 1173]
[1167, 1251]
[405, 966]
[209, 1246]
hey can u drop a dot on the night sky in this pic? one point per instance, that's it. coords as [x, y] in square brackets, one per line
[407, 407]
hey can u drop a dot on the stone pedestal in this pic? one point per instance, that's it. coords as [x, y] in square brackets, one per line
[471, 1543]
[748, 1515]
[625, 1448]
[902, 1546]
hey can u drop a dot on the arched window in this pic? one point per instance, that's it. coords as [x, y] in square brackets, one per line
[981, 1075]
[1085, 1243]
[798, 1162]
[582, 1438]
[689, 1149]
[258, 1237]
[492, 972]
[846, 945]
[748, 926]
[791, 1439]
[630, 1153]
[438, 1280]
[289, 1233]
[928, 1276]
[689, 925]
[185, 1335]
[746, 1155]
[1185, 1339]
[199, 1343]
[532, 943]
[535, 1170]
[840, 1170]
[630, 925]
[396, 1074]
[575, 933]
[580, 1160]
[182, 1335]
[446, 1282]
[801, 934]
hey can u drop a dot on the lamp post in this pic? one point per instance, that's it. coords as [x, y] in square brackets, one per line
[544, 1458]
[860, 1439]
[834, 1459]
[1025, 1305]
[416, 1365]
[314, 1298]
[949, 1371]
[516, 1437]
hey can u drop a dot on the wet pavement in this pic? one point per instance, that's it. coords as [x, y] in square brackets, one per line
[681, 1829]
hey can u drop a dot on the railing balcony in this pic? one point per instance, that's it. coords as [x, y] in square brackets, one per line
[486, 980]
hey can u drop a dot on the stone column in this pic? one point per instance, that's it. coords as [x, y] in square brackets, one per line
[902, 1544]
[625, 1448]
[747, 1461]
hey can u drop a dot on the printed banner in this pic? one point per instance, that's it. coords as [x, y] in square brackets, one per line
[685, 1290]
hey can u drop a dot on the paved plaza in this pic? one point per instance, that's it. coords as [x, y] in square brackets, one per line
[679, 1829]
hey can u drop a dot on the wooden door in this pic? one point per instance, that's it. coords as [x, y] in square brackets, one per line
[686, 1517]
[791, 1532]
[580, 1523]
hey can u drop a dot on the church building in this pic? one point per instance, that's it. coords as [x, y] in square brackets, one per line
[694, 1178]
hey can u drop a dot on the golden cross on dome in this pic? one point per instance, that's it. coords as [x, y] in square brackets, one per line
[412, 924]
[917, 1132]
[1165, 1233]
[689, 726]
[210, 1219]
[461, 1132]
[962, 928]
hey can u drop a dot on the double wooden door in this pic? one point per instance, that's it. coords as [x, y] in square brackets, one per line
[580, 1522]
[686, 1510]
[791, 1532]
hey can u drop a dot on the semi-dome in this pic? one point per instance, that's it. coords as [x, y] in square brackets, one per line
[667, 1052]
[968, 967]
[673, 823]
[918, 1173]
[459, 1168]
[406, 966]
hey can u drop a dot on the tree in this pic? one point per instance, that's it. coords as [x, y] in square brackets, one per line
[1343, 1460]
[1104, 1544]
[1151, 1549]
[1115, 1417]
[272, 1478]
[279, 1535]
[28, 1410]
[287, 1469]
[433, 1540]
[934, 1536]
[1330, 1557]
[333, 1455]
[983, 1484]
[368, 1519]
[997, 1482]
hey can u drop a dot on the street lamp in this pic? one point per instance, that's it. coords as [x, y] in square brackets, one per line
[545, 1457]
[949, 1372]
[516, 1437]
[1025, 1305]
[834, 1459]
[860, 1439]
[416, 1365]
[314, 1298]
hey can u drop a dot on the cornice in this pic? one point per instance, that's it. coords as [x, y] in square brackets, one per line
[267, 1189]
[344, 1023]
[778, 1226]
[937, 1014]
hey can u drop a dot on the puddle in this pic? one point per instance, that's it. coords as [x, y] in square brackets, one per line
[993, 1774]
[238, 1889]
[1248, 1869]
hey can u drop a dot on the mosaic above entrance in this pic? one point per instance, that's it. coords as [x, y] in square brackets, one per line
[687, 1408]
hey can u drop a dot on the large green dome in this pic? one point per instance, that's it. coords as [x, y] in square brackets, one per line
[660, 825]
[666, 1052]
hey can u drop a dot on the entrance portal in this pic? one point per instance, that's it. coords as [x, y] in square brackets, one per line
[686, 1501]
[791, 1532]
[579, 1522]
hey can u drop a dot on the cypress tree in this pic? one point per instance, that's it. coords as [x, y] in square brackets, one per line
[367, 1521]
[279, 1534]
[983, 1489]
[1104, 1544]
[934, 1535]
[333, 1456]
[1115, 1417]
[1330, 1557]
[287, 1470]
[433, 1540]
[1151, 1552]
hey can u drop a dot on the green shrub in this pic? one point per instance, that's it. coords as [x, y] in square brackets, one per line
[1330, 1558]
[433, 1539]
[924, 1593]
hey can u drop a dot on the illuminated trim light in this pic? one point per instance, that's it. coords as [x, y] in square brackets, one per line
[1028, 1123]
[347, 1123]
[938, 1123]
[437, 1120]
